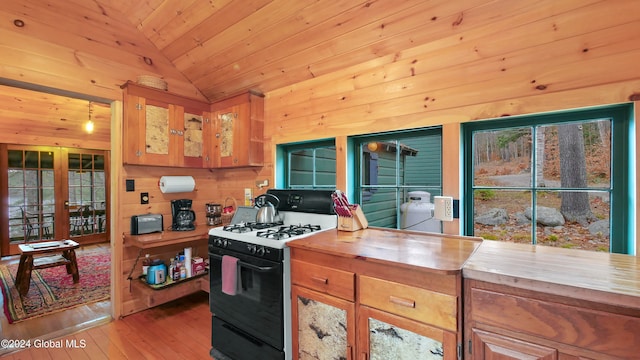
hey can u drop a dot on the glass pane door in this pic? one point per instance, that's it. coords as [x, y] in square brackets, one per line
[52, 193]
[87, 194]
[31, 188]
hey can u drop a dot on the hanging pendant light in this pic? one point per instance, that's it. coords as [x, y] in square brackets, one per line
[88, 126]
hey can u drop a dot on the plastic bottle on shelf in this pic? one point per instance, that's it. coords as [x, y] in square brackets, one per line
[176, 271]
[145, 264]
[172, 268]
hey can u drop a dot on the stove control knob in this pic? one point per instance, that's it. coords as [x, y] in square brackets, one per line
[260, 251]
[252, 248]
[225, 243]
[217, 242]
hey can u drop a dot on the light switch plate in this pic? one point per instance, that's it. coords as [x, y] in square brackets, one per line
[144, 198]
[130, 185]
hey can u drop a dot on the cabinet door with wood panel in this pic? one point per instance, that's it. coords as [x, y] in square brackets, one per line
[234, 136]
[487, 345]
[504, 322]
[162, 129]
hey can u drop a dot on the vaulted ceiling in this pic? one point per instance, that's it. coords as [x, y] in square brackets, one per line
[207, 49]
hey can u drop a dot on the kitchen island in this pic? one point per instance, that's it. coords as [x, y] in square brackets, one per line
[540, 302]
[378, 293]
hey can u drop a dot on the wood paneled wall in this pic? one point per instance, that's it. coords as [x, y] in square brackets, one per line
[532, 57]
[35, 118]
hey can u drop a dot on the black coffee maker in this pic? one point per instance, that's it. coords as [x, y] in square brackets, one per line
[183, 217]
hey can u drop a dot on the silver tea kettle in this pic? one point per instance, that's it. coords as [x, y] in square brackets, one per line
[267, 212]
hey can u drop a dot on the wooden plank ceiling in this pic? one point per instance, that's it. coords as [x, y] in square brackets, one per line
[207, 49]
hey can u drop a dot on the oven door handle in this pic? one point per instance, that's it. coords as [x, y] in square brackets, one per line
[249, 266]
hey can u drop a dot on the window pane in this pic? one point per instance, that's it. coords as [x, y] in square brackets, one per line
[555, 228]
[313, 167]
[98, 162]
[382, 163]
[74, 161]
[301, 167]
[502, 157]
[422, 156]
[380, 207]
[31, 160]
[576, 155]
[391, 167]
[501, 215]
[46, 160]
[15, 159]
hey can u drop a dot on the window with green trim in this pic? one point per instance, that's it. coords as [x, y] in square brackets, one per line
[310, 165]
[558, 179]
[397, 175]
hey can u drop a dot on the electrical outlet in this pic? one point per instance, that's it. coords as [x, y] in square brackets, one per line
[248, 197]
[443, 208]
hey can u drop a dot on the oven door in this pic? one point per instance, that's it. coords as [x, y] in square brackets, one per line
[257, 307]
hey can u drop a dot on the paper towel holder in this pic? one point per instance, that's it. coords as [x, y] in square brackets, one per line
[176, 184]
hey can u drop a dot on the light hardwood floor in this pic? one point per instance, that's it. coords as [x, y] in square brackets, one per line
[180, 329]
[177, 330]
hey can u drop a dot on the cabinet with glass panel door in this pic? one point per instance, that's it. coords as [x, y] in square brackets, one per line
[234, 136]
[162, 129]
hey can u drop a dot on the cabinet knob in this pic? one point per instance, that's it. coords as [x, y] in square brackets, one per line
[218, 136]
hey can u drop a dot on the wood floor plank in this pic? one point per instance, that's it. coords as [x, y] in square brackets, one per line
[177, 330]
[118, 343]
[102, 342]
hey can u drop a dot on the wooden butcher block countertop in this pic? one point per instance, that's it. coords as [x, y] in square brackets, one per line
[438, 253]
[602, 277]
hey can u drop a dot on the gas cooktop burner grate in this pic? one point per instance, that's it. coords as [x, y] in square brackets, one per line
[250, 226]
[285, 232]
[273, 234]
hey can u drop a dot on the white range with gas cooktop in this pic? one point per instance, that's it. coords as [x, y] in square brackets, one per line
[254, 320]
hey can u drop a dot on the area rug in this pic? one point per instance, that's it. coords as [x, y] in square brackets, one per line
[52, 289]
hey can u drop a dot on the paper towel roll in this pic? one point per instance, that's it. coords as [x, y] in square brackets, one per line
[176, 184]
[187, 261]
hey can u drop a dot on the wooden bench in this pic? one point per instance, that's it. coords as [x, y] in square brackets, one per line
[56, 253]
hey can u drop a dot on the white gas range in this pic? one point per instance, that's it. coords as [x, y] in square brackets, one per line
[243, 323]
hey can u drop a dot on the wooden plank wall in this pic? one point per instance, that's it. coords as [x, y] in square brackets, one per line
[501, 59]
[36, 118]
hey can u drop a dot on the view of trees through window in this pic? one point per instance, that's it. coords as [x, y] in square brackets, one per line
[562, 170]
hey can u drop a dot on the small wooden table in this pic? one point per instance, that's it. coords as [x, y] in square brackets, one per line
[60, 253]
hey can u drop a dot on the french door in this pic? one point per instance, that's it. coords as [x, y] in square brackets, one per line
[52, 193]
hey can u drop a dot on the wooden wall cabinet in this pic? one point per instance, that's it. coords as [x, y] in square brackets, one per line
[235, 135]
[162, 129]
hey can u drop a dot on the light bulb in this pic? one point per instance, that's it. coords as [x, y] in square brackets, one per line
[88, 126]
